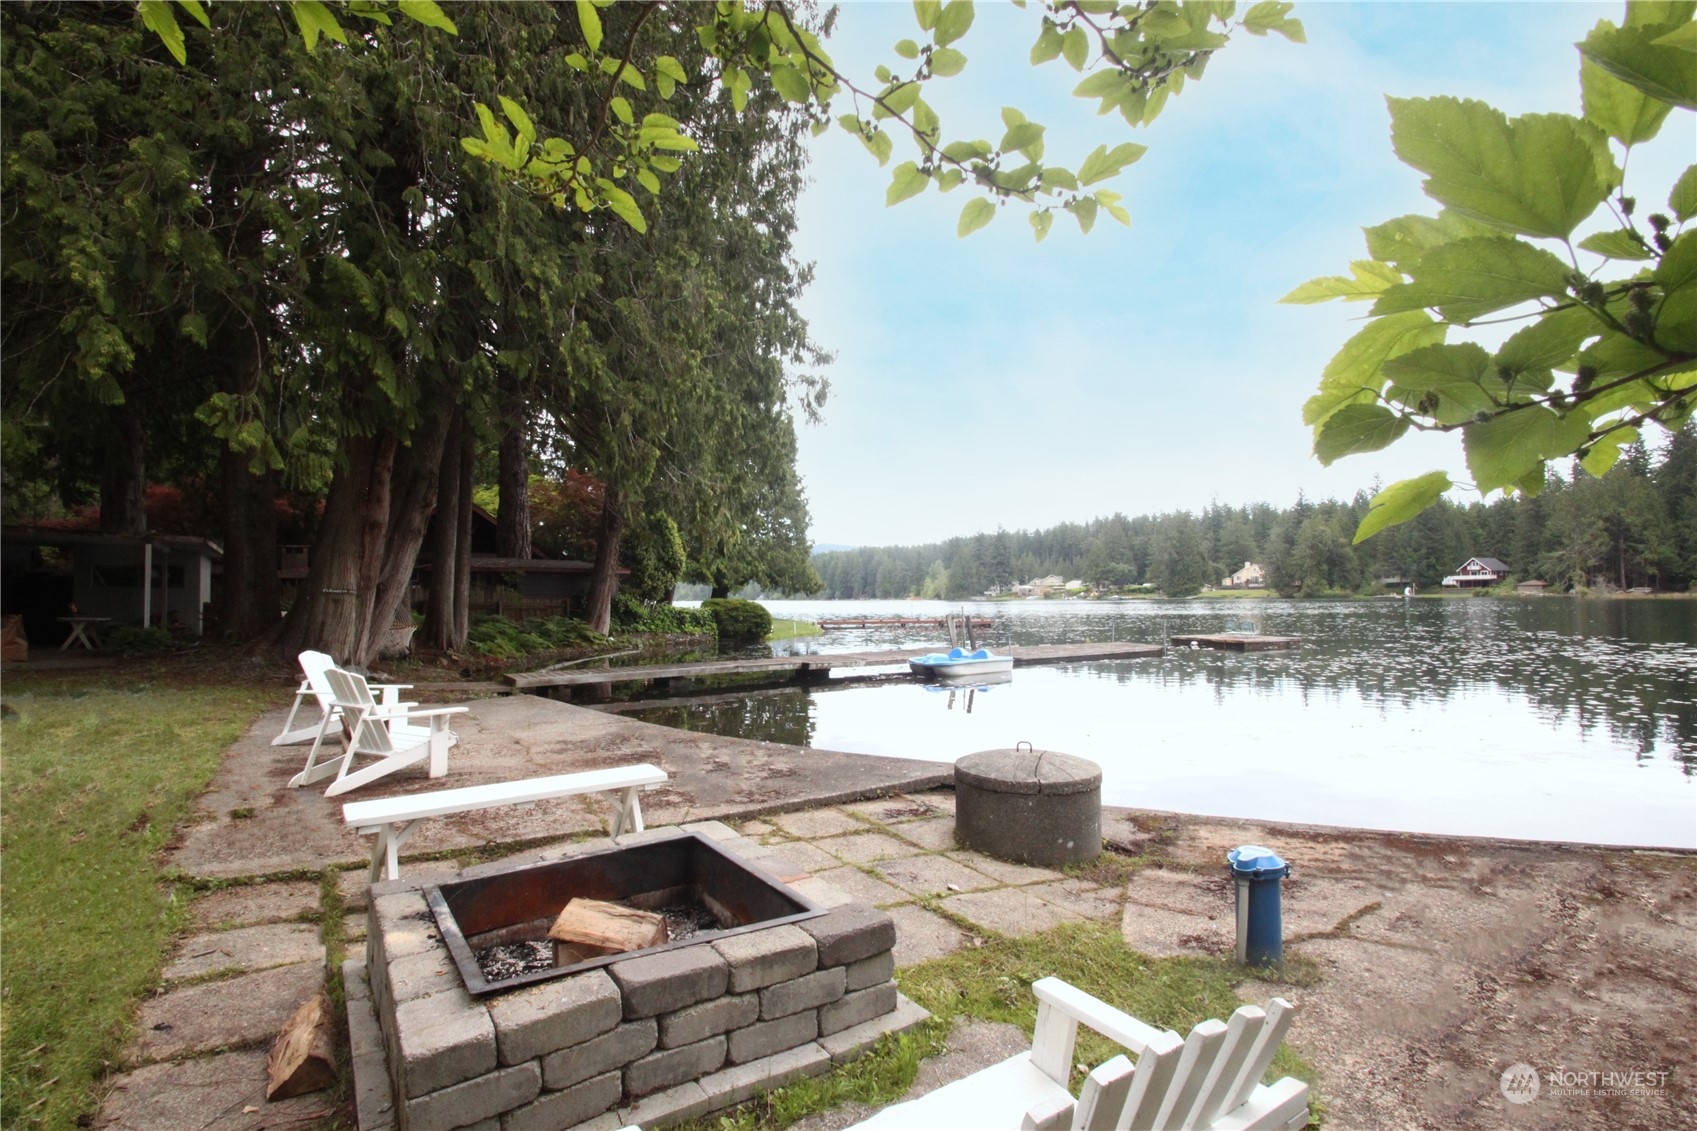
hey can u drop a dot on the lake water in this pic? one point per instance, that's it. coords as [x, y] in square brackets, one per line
[1550, 719]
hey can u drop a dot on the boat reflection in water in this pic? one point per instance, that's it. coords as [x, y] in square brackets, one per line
[971, 685]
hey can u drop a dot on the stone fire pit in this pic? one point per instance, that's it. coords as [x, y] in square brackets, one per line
[652, 1037]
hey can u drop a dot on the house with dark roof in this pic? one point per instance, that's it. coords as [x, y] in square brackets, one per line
[1477, 573]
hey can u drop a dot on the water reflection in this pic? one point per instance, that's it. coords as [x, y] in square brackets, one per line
[1554, 718]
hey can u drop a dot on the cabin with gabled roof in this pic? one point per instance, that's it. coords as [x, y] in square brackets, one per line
[1477, 573]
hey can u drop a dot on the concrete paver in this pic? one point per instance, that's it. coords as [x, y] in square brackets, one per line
[902, 808]
[814, 823]
[937, 833]
[932, 875]
[248, 904]
[922, 935]
[1010, 911]
[238, 1011]
[245, 948]
[1101, 904]
[1004, 871]
[863, 848]
[867, 889]
[222, 1091]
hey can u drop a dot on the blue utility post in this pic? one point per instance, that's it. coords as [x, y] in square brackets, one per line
[1260, 922]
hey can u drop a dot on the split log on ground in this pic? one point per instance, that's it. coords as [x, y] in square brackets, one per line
[303, 1058]
[590, 928]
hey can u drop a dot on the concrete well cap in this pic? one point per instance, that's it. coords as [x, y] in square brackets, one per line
[1025, 770]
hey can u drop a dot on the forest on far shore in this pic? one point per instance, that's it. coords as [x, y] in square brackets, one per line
[1635, 526]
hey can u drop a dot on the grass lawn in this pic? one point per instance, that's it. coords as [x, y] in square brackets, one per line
[94, 781]
[993, 983]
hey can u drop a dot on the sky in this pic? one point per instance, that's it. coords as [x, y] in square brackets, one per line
[996, 382]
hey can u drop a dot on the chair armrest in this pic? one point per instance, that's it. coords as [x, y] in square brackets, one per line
[434, 711]
[1115, 1024]
[390, 692]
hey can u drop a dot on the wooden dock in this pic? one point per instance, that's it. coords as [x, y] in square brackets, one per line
[818, 666]
[1238, 642]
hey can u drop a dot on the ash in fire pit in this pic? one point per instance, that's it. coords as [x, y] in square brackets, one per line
[505, 961]
[509, 960]
[685, 920]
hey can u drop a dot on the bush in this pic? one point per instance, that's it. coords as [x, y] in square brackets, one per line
[631, 615]
[738, 619]
[131, 640]
[504, 639]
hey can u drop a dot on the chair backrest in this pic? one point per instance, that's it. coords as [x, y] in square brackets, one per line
[352, 694]
[313, 666]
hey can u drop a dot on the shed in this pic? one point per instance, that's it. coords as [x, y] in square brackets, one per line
[134, 579]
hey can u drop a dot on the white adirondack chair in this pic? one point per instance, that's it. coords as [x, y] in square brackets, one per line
[1211, 1081]
[396, 736]
[315, 686]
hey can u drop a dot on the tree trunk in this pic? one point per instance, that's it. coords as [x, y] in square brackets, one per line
[444, 544]
[123, 487]
[251, 594]
[604, 580]
[333, 612]
[512, 516]
[719, 593]
[418, 472]
[461, 633]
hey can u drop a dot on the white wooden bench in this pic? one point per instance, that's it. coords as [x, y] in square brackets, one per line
[394, 819]
[1211, 1081]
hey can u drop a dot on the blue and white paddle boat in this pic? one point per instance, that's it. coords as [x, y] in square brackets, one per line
[957, 663]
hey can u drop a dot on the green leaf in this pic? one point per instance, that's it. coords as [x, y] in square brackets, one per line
[522, 123]
[1606, 451]
[907, 49]
[590, 21]
[953, 22]
[1400, 502]
[1631, 55]
[1357, 428]
[1353, 373]
[1684, 38]
[1048, 46]
[1055, 177]
[926, 12]
[1617, 108]
[791, 83]
[1407, 238]
[1011, 116]
[1026, 138]
[896, 100]
[966, 150]
[946, 62]
[1549, 342]
[1104, 163]
[1622, 243]
[157, 17]
[1075, 46]
[427, 13]
[1084, 211]
[977, 213]
[1505, 449]
[1041, 222]
[1476, 276]
[314, 19]
[671, 68]
[198, 10]
[879, 145]
[1107, 85]
[1676, 318]
[907, 181]
[1370, 277]
[623, 204]
[1110, 202]
[647, 179]
[1273, 15]
[1539, 174]
[1459, 375]
[1683, 199]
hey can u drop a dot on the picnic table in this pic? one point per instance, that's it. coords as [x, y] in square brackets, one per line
[80, 629]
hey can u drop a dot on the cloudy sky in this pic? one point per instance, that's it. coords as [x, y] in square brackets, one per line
[994, 382]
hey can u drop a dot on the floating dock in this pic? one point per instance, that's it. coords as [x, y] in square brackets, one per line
[1238, 642]
[818, 666]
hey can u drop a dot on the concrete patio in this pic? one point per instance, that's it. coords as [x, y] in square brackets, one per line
[1428, 965]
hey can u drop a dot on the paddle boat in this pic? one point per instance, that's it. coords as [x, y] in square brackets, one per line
[957, 663]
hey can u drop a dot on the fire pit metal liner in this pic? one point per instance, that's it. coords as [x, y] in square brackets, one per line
[614, 873]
